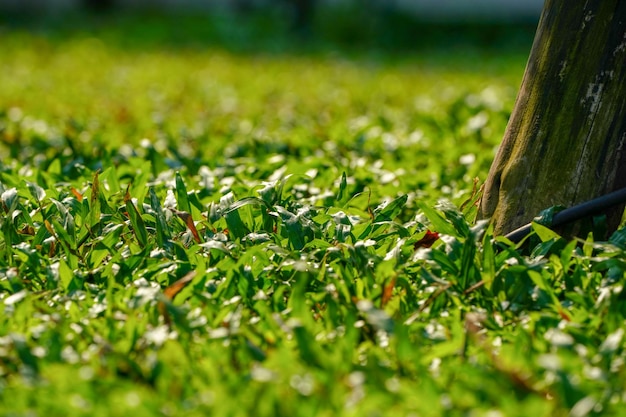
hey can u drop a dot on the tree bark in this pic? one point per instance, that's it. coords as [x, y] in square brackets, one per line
[564, 143]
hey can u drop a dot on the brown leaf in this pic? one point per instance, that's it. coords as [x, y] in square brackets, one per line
[77, 194]
[49, 228]
[171, 291]
[388, 292]
[95, 188]
[427, 241]
[186, 217]
[127, 196]
[28, 230]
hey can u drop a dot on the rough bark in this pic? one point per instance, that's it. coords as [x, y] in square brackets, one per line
[564, 143]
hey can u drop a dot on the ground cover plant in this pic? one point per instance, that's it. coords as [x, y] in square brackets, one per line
[204, 227]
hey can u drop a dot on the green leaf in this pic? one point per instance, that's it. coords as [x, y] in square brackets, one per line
[95, 202]
[66, 276]
[442, 259]
[139, 184]
[544, 233]
[236, 227]
[162, 230]
[292, 225]
[488, 258]
[309, 350]
[97, 254]
[389, 211]
[182, 198]
[618, 238]
[456, 218]
[247, 201]
[469, 272]
[10, 199]
[66, 241]
[439, 223]
[343, 184]
[137, 223]
[546, 216]
[36, 191]
[110, 176]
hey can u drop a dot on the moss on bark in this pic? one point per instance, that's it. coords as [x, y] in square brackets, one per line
[564, 143]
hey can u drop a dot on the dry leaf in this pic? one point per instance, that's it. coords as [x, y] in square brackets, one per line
[171, 291]
[77, 194]
[427, 241]
[388, 292]
[186, 217]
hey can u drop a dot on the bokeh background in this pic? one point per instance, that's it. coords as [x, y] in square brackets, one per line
[443, 8]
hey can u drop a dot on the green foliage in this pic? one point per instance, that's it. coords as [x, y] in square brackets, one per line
[293, 244]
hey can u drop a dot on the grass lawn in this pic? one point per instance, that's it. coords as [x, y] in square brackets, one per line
[204, 216]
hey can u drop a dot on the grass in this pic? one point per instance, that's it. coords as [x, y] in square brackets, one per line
[279, 227]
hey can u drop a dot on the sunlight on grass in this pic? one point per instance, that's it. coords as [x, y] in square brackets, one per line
[205, 229]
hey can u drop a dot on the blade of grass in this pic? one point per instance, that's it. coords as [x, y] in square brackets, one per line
[182, 198]
[162, 229]
[136, 221]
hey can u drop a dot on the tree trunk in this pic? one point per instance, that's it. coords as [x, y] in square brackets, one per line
[564, 143]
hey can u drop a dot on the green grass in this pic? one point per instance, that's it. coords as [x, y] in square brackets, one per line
[292, 185]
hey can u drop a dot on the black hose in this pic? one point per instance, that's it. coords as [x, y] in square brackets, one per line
[575, 213]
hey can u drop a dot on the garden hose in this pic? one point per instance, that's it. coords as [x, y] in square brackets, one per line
[574, 213]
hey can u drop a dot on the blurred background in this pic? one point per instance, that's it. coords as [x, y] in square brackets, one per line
[248, 77]
[302, 11]
[386, 25]
[414, 94]
[447, 9]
